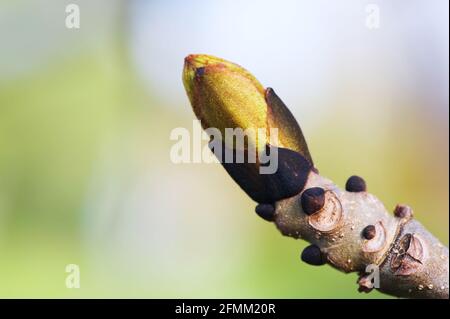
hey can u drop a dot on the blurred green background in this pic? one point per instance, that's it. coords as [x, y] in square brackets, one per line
[85, 118]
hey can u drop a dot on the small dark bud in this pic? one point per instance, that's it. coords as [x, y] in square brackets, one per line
[265, 211]
[355, 184]
[313, 256]
[403, 211]
[369, 232]
[312, 200]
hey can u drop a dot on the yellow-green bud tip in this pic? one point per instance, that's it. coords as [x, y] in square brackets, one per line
[223, 94]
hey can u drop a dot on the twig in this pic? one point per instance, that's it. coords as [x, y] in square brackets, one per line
[349, 229]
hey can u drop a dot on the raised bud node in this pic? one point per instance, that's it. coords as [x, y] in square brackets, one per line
[313, 256]
[378, 241]
[355, 184]
[403, 211]
[265, 211]
[369, 232]
[312, 200]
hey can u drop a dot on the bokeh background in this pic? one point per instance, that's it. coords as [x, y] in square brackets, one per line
[85, 118]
